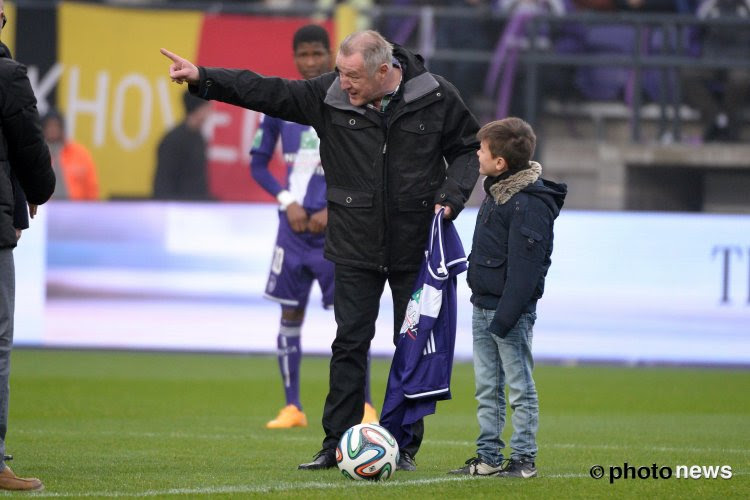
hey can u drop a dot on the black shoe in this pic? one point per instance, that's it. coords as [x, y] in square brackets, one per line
[324, 459]
[523, 468]
[406, 462]
[477, 467]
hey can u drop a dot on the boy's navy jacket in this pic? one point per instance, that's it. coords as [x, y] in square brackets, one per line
[421, 368]
[512, 245]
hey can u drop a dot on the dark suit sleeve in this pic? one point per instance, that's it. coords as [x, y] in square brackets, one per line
[529, 239]
[292, 100]
[27, 152]
[460, 151]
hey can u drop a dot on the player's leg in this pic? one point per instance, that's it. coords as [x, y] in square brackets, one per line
[518, 364]
[489, 381]
[8, 480]
[324, 273]
[402, 286]
[357, 298]
[7, 301]
[289, 284]
[290, 358]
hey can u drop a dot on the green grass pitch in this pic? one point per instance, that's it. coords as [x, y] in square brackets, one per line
[129, 425]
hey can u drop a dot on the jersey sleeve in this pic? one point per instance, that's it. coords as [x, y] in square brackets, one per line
[261, 153]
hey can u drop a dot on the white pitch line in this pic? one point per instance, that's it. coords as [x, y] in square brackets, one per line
[282, 487]
[278, 487]
[439, 442]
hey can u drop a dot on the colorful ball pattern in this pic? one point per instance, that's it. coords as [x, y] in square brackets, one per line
[367, 452]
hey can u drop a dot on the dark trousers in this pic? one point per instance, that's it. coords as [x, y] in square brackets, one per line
[356, 304]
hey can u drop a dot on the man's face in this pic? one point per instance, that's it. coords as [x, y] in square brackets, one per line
[53, 131]
[355, 81]
[312, 59]
[489, 165]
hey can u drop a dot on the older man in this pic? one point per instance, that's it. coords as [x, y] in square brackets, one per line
[396, 143]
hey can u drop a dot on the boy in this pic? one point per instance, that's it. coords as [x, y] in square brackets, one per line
[509, 259]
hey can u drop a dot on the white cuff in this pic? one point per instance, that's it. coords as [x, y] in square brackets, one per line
[285, 199]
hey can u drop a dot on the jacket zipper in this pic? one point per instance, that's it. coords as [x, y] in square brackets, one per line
[386, 219]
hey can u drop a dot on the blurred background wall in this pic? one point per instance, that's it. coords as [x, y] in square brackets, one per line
[640, 106]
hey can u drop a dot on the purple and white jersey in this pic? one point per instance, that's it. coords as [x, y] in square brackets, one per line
[423, 361]
[301, 149]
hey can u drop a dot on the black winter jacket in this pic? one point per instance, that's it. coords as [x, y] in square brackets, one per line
[23, 152]
[383, 176]
[512, 245]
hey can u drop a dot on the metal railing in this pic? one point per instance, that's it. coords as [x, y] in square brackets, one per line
[416, 28]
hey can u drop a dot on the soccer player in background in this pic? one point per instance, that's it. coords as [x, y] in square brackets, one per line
[303, 216]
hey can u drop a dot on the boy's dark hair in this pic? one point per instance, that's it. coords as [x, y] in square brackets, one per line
[311, 33]
[511, 138]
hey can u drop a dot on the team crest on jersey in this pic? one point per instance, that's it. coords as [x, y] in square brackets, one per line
[309, 140]
[258, 138]
[411, 320]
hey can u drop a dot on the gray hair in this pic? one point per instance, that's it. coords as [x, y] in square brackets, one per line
[375, 49]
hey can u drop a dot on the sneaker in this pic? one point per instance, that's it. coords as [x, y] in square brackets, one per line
[371, 415]
[406, 462]
[518, 468]
[9, 481]
[289, 416]
[324, 459]
[477, 467]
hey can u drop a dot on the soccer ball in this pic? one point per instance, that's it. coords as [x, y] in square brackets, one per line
[367, 451]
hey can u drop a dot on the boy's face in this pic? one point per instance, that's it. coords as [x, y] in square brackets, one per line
[489, 165]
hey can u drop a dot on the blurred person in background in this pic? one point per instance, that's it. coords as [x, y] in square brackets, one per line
[73, 164]
[721, 94]
[303, 216]
[181, 161]
[23, 155]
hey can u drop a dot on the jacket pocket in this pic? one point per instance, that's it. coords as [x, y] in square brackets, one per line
[487, 274]
[533, 248]
[352, 121]
[419, 203]
[350, 198]
[417, 125]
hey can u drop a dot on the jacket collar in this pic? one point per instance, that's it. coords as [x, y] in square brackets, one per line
[504, 188]
[417, 82]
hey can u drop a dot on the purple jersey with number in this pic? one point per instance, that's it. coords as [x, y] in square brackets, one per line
[298, 257]
[422, 363]
[300, 147]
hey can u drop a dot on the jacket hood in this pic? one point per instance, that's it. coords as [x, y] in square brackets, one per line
[529, 181]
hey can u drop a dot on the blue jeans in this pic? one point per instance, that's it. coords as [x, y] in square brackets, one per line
[498, 362]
